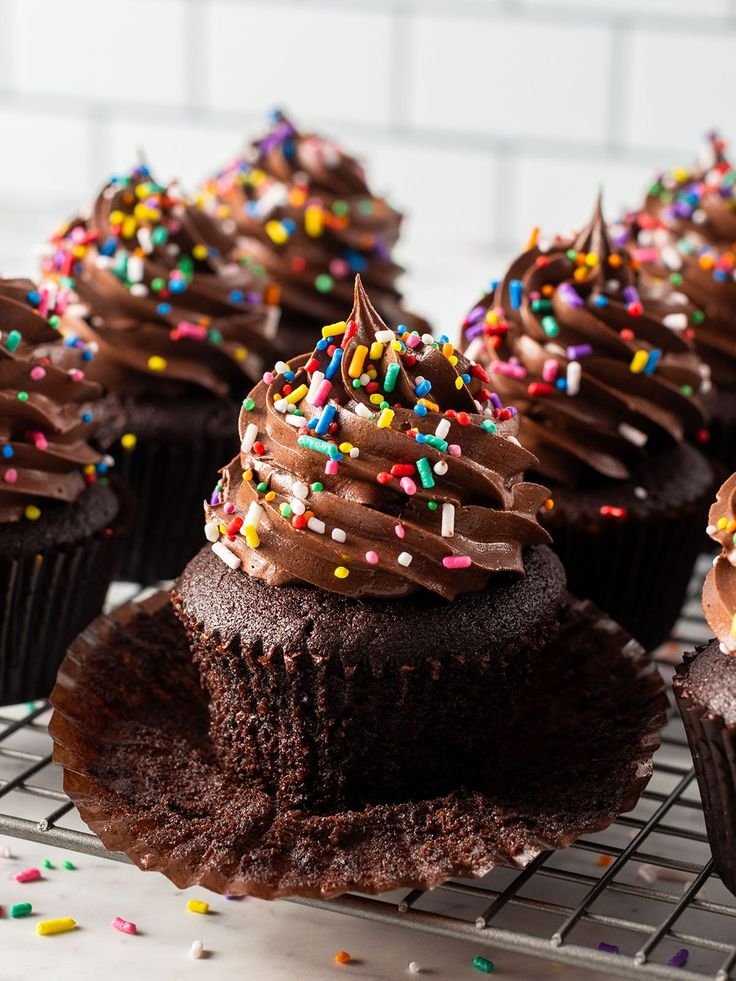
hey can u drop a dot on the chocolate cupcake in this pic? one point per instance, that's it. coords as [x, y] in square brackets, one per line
[308, 221]
[179, 335]
[608, 387]
[58, 514]
[705, 689]
[686, 234]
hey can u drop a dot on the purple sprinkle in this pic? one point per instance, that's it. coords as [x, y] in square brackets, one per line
[512, 410]
[277, 135]
[474, 331]
[577, 351]
[496, 401]
[381, 250]
[475, 314]
[608, 948]
[680, 958]
[682, 209]
[621, 238]
[568, 294]
[215, 499]
[631, 295]
[232, 898]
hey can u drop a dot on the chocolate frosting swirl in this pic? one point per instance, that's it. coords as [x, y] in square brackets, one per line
[686, 233]
[376, 466]
[161, 297]
[308, 220]
[719, 591]
[596, 359]
[46, 405]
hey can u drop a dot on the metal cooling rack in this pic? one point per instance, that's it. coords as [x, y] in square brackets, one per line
[645, 886]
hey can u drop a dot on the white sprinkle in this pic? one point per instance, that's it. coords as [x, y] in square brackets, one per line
[440, 468]
[512, 439]
[633, 435]
[296, 421]
[732, 556]
[363, 411]
[338, 535]
[145, 240]
[448, 520]
[134, 269]
[280, 367]
[5, 852]
[574, 371]
[300, 490]
[364, 378]
[405, 559]
[641, 493]
[384, 336]
[273, 198]
[427, 339]
[253, 516]
[711, 529]
[414, 967]
[354, 453]
[196, 950]
[297, 506]
[317, 378]
[212, 530]
[139, 289]
[228, 557]
[675, 321]
[281, 405]
[671, 257]
[314, 524]
[443, 428]
[251, 431]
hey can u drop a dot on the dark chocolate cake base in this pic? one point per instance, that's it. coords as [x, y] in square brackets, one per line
[131, 730]
[705, 689]
[636, 565]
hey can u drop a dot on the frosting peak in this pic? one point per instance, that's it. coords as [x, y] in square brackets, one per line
[376, 466]
[719, 591]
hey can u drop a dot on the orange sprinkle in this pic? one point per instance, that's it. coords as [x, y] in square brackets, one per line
[342, 957]
[549, 504]
[604, 861]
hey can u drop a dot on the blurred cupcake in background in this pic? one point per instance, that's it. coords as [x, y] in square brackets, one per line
[608, 388]
[58, 514]
[179, 333]
[685, 233]
[308, 221]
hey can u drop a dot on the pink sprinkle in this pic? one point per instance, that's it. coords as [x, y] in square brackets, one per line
[11, 475]
[38, 373]
[413, 340]
[323, 390]
[332, 467]
[76, 375]
[27, 875]
[268, 377]
[371, 557]
[508, 369]
[339, 268]
[549, 370]
[408, 486]
[645, 255]
[124, 926]
[187, 329]
[400, 531]
[39, 440]
[229, 507]
[457, 561]
[454, 450]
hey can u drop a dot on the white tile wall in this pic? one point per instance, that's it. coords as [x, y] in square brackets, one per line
[480, 117]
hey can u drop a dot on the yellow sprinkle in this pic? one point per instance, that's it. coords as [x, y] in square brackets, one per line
[89, 469]
[47, 927]
[332, 330]
[277, 232]
[733, 625]
[257, 177]
[357, 361]
[397, 345]
[198, 906]
[533, 238]
[639, 362]
[269, 496]
[240, 354]
[313, 221]
[376, 351]
[199, 251]
[491, 318]
[459, 383]
[345, 447]
[722, 522]
[341, 572]
[376, 398]
[32, 512]
[78, 251]
[453, 359]
[157, 363]
[386, 418]
[297, 395]
[129, 227]
[592, 260]
[117, 217]
[247, 475]
[128, 441]
[432, 406]
[251, 537]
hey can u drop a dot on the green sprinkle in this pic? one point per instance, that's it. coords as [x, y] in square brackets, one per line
[571, 255]
[488, 426]
[48, 864]
[687, 390]
[317, 486]
[159, 235]
[384, 405]
[249, 404]
[68, 865]
[439, 444]
[340, 208]
[20, 909]
[320, 446]
[541, 306]
[157, 284]
[550, 326]
[432, 505]
[22, 396]
[262, 487]
[285, 510]
[425, 473]
[13, 340]
[324, 283]
[697, 317]
[214, 337]
[356, 383]
[483, 965]
[392, 373]
[365, 207]
[54, 321]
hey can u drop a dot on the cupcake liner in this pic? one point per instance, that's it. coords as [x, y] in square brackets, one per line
[48, 597]
[130, 728]
[713, 747]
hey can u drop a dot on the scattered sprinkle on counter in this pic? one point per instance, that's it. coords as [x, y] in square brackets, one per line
[124, 926]
[414, 967]
[48, 864]
[18, 910]
[27, 875]
[196, 951]
[342, 957]
[483, 965]
[70, 866]
[46, 928]
[608, 948]
[680, 958]
[198, 906]
[604, 861]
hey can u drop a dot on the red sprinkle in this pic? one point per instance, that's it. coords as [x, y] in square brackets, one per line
[298, 263]
[479, 372]
[410, 360]
[541, 261]
[400, 470]
[463, 418]
[258, 448]
[311, 366]
[609, 511]
[384, 478]
[634, 309]
[234, 527]
[299, 521]
[626, 334]
[703, 436]
[539, 388]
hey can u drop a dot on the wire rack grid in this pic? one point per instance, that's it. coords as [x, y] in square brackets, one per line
[640, 899]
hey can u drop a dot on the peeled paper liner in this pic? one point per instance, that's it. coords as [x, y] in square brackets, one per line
[130, 728]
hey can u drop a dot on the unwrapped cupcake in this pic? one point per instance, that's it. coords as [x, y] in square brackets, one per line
[58, 514]
[308, 221]
[179, 334]
[608, 388]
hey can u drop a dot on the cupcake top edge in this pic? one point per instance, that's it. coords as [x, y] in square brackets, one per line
[597, 357]
[160, 293]
[47, 405]
[378, 465]
[719, 591]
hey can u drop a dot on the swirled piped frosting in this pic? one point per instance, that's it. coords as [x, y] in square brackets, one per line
[161, 297]
[719, 591]
[309, 221]
[46, 406]
[596, 359]
[378, 465]
[686, 233]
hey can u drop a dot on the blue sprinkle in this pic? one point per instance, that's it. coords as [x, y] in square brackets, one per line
[334, 363]
[163, 309]
[87, 355]
[421, 410]
[516, 291]
[325, 420]
[561, 383]
[87, 417]
[289, 376]
[423, 388]
[601, 301]
[8, 452]
[466, 378]
[70, 340]
[237, 296]
[401, 329]
[33, 297]
[311, 424]
[421, 438]
[289, 224]
[109, 246]
[177, 285]
[652, 361]
[323, 344]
